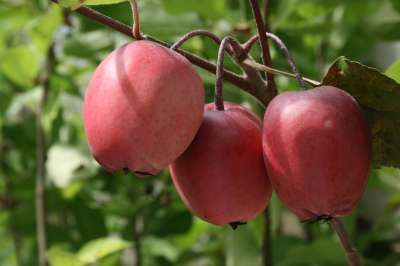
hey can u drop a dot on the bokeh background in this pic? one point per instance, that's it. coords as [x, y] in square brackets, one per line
[94, 218]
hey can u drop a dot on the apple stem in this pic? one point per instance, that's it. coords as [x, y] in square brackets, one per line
[195, 33]
[235, 225]
[248, 45]
[219, 80]
[237, 50]
[353, 258]
[136, 25]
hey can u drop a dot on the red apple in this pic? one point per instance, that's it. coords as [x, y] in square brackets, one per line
[143, 107]
[317, 151]
[221, 176]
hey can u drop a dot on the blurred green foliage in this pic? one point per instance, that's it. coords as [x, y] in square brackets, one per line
[98, 219]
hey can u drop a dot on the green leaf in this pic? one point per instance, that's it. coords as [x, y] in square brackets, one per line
[176, 7]
[73, 189]
[103, 2]
[100, 248]
[23, 106]
[157, 247]
[396, 5]
[394, 71]
[186, 241]
[84, 216]
[390, 176]
[379, 96]
[385, 132]
[169, 222]
[157, 21]
[74, 4]
[63, 164]
[58, 256]
[21, 65]
[43, 28]
[371, 88]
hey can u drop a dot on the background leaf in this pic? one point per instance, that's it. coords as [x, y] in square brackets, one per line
[394, 71]
[60, 257]
[100, 248]
[76, 3]
[21, 65]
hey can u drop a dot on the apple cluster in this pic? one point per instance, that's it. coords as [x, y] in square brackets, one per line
[144, 111]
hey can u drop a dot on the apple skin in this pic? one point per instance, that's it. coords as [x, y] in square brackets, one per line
[317, 151]
[221, 176]
[142, 109]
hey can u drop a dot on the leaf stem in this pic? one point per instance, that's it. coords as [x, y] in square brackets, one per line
[353, 258]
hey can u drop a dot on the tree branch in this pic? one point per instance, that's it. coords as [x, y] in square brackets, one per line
[137, 222]
[266, 14]
[266, 55]
[262, 26]
[237, 80]
[267, 240]
[41, 153]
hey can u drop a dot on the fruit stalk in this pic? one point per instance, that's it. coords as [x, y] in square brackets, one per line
[238, 53]
[247, 46]
[218, 97]
[136, 22]
[353, 258]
